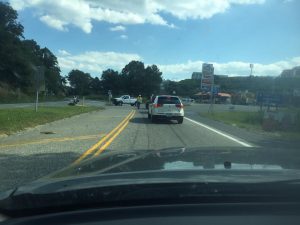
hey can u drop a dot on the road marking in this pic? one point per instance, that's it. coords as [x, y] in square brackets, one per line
[101, 141]
[49, 140]
[220, 133]
[113, 137]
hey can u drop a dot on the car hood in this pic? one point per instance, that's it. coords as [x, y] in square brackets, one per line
[119, 170]
[180, 158]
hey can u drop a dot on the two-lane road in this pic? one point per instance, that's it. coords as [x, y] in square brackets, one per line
[142, 134]
[31, 154]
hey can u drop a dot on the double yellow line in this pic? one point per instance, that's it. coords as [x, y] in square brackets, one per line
[103, 143]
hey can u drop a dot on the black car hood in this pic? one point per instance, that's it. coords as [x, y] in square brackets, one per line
[115, 172]
[231, 158]
[223, 165]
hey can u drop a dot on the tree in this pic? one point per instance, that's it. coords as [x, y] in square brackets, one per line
[188, 87]
[14, 69]
[140, 80]
[53, 78]
[170, 86]
[80, 82]
[133, 74]
[111, 80]
[44, 57]
[8, 22]
[152, 80]
[19, 57]
[96, 86]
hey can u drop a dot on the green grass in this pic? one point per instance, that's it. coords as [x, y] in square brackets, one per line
[248, 120]
[28, 98]
[12, 120]
[251, 121]
[290, 135]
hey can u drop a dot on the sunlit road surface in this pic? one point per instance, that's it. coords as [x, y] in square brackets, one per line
[34, 153]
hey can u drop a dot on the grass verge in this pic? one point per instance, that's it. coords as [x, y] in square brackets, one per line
[12, 120]
[250, 121]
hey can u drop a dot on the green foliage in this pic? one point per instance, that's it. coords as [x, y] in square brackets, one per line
[187, 87]
[96, 86]
[140, 80]
[111, 80]
[258, 84]
[134, 79]
[16, 119]
[19, 58]
[80, 82]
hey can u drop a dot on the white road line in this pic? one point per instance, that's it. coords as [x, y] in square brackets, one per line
[220, 133]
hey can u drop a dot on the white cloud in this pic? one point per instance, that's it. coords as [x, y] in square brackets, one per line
[95, 62]
[63, 52]
[123, 36]
[61, 13]
[53, 22]
[234, 68]
[118, 28]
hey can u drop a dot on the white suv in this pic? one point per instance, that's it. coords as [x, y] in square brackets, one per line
[166, 107]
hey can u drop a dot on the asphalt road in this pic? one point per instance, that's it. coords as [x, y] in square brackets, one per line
[36, 152]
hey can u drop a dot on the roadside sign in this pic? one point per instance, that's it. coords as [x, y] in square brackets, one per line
[40, 78]
[207, 82]
[216, 89]
[207, 76]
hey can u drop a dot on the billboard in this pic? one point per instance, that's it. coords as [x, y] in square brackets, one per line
[207, 76]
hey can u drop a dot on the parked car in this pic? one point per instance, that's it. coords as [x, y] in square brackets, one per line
[166, 107]
[124, 99]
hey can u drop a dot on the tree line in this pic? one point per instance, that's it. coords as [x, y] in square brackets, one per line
[134, 79]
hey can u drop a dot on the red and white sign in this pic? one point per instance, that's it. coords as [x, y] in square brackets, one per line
[207, 76]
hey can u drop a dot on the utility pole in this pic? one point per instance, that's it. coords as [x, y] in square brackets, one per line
[251, 68]
[39, 77]
[211, 107]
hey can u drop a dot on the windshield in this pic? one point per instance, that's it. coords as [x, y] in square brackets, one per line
[115, 87]
[168, 100]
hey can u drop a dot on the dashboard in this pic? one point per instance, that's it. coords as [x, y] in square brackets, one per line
[231, 213]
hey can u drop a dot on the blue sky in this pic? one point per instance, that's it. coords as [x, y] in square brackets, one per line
[178, 36]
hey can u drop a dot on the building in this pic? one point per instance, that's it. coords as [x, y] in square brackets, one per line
[196, 75]
[219, 98]
[295, 72]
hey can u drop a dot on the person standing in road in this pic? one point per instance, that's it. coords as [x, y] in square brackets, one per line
[139, 101]
[152, 98]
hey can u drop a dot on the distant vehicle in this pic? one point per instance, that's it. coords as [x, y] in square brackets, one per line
[166, 107]
[73, 101]
[187, 101]
[124, 99]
